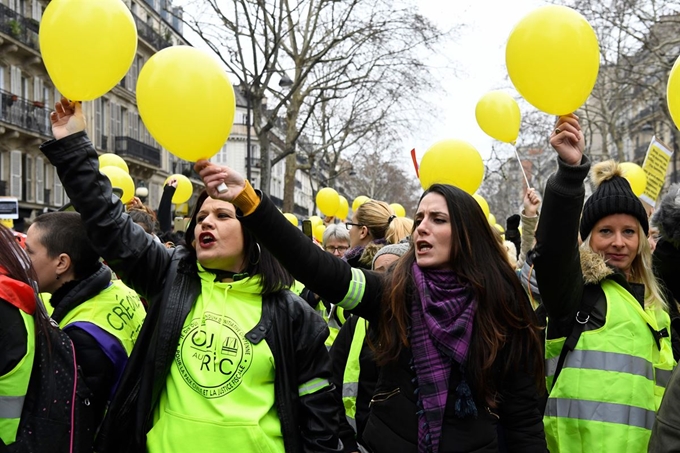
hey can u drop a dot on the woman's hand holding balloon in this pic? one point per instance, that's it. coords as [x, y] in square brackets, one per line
[67, 119]
[214, 176]
[567, 139]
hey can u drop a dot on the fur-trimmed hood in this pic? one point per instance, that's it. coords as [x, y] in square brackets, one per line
[593, 267]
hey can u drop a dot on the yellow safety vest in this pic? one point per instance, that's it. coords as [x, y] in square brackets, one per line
[350, 379]
[14, 385]
[611, 385]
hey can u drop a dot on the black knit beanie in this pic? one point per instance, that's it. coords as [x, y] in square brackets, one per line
[612, 195]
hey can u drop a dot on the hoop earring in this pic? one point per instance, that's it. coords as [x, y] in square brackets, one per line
[259, 255]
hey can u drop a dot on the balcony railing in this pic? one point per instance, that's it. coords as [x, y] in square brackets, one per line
[128, 146]
[19, 27]
[148, 34]
[30, 115]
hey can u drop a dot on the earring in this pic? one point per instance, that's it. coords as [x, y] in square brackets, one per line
[259, 254]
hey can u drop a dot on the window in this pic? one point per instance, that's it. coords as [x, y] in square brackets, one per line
[40, 180]
[24, 86]
[29, 178]
[15, 174]
[57, 189]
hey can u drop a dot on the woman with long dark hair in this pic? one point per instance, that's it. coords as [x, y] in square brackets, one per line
[461, 356]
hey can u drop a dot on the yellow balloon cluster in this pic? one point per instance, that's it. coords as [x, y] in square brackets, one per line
[328, 201]
[553, 58]
[87, 46]
[453, 162]
[636, 176]
[184, 188]
[186, 101]
[498, 115]
[120, 180]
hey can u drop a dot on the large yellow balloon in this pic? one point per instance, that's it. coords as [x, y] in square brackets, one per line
[184, 188]
[482, 204]
[318, 232]
[398, 209]
[636, 176]
[673, 93]
[498, 115]
[120, 180]
[358, 201]
[328, 201]
[343, 209]
[186, 101]
[291, 218]
[113, 160]
[453, 162]
[87, 46]
[553, 58]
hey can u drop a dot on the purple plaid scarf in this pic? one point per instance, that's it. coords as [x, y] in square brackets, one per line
[441, 332]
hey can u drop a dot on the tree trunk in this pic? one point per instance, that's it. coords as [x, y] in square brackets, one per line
[289, 183]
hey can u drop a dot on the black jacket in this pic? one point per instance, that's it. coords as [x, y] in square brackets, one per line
[392, 423]
[170, 282]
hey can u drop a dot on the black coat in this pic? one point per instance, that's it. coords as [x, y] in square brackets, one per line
[392, 424]
[170, 282]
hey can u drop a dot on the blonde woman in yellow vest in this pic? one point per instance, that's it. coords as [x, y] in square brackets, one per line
[605, 392]
[102, 317]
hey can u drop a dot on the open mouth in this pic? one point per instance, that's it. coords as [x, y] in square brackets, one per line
[423, 246]
[206, 239]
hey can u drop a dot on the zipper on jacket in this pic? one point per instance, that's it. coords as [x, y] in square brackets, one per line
[380, 397]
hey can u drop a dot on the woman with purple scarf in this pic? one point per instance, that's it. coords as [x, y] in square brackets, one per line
[459, 347]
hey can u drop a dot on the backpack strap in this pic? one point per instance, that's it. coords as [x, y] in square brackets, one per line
[591, 294]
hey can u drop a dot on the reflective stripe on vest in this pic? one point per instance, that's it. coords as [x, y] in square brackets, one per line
[612, 383]
[14, 385]
[350, 379]
[117, 310]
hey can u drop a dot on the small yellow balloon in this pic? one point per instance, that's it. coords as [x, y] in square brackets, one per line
[318, 232]
[316, 221]
[184, 188]
[358, 201]
[636, 176]
[186, 101]
[398, 209]
[291, 218]
[328, 201]
[553, 58]
[492, 219]
[113, 160]
[482, 204]
[120, 180]
[499, 228]
[453, 162]
[673, 93]
[87, 46]
[343, 209]
[498, 115]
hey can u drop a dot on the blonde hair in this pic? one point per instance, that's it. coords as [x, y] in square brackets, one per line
[641, 270]
[398, 229]
[375, 215]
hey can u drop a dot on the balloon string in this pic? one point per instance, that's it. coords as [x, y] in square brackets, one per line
[521, 167]
[415, 162]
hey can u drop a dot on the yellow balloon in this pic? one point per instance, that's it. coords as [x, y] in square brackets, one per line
[316, 221]
[87, 46]
[553, 58]
[499, 228]
[358, 201]
[398, 209]
[343, 209]
[492, 219]
[291, 218]
[673, 93]
[113, 160]
[498, 115]
[186, 101]
[636, 176]
[120, 180]
[453, 162]
[328, 201]
[519, 228]
[318, 232]
[482, 204]
[184, 188]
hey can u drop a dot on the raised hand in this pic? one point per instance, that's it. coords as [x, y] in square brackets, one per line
[214, 175]
[567, 139]
[67, 118]
[531, 202]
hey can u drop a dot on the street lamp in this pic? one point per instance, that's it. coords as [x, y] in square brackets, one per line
[142, 192]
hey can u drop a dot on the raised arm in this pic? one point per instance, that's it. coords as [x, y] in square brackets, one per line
[331, 278]
[529, 217]
[556, 258]
[135, 257]
[165, 206]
